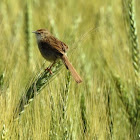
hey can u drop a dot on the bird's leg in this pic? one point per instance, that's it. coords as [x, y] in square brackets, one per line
[49, 69]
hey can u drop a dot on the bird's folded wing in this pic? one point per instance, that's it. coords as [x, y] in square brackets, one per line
[56, 44]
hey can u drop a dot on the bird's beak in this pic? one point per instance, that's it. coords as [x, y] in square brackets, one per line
[34, 32]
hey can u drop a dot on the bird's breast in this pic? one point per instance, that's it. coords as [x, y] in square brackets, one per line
[47, 53]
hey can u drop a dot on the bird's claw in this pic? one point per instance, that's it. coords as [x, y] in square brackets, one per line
[49, 70]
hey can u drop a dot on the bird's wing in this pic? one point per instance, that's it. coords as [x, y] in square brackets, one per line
[56, 44]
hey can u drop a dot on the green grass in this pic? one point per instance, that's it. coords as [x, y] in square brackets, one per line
[103, 47]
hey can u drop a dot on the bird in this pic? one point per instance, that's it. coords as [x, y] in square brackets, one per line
[53, 49]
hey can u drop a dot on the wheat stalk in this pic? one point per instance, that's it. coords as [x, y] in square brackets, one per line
[28, 21]
[124, 95]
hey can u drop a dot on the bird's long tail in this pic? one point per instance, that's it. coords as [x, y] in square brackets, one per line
[71, 69]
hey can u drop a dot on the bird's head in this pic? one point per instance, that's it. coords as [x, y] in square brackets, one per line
[41, 34]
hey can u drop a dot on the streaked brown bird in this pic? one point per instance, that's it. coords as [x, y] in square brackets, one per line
[52, 49]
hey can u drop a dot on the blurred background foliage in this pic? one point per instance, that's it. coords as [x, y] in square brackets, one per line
[103, 49]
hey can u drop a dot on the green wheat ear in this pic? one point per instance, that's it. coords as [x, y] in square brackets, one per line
[2, 79]
[83, 113]
[38, 83]
[53, 122]
[61, 124]
[3, 133]
[64, 107]
[134, 40]
[124, 95]
[135, 55]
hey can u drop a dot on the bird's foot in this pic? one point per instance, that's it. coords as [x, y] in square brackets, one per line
[49, 70]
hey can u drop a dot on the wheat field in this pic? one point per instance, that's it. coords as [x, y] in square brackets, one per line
[103, 47]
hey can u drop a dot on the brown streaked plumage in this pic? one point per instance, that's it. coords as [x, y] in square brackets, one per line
[52, 49]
